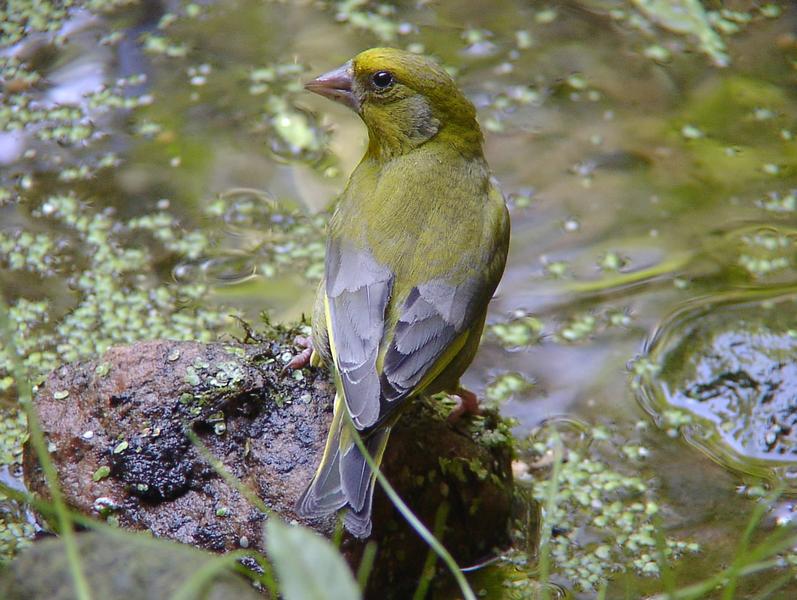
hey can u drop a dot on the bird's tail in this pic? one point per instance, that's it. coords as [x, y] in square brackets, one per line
[344, 479]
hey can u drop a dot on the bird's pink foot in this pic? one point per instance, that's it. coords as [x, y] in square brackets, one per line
[301, 360]
[467, 404]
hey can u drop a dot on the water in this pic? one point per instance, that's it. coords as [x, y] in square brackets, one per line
[641, 174]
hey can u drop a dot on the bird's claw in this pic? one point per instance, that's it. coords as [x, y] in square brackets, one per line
[467, 403]
[301, 360]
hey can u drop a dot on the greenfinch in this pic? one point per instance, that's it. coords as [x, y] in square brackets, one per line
[416, 247]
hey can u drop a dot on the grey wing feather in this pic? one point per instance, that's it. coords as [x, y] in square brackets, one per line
[358, 291]
[432, 317]
[354, 476]
[358, 483]
[325, 493]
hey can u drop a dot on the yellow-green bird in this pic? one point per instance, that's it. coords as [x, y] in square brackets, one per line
[416, 247]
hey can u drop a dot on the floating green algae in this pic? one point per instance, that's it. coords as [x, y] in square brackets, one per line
[114, 295]
[604, 515]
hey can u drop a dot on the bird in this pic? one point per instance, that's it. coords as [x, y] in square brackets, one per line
[416, 246]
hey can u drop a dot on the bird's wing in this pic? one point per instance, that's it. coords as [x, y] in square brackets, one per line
[358, 291]
[433, 324]
[432, 327]
[438, 316]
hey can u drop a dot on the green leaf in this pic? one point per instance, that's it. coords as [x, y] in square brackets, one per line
[308, 566]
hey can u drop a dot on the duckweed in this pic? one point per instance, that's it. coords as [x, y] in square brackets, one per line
[521, 330]
[118, 300]
[507, 385]
[605, 519]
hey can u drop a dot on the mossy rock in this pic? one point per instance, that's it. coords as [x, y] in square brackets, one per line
[116, 427]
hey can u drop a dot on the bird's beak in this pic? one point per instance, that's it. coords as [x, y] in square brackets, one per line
[336, 85]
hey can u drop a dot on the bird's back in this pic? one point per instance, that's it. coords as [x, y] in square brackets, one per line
[428, 214]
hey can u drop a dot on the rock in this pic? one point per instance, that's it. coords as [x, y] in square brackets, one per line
[116, 430]
[150, 568]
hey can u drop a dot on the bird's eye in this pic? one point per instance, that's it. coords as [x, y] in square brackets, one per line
[382, 79]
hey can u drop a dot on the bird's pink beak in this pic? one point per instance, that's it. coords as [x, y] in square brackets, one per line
[336, 85]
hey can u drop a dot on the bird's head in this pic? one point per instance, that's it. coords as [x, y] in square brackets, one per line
[404, 99]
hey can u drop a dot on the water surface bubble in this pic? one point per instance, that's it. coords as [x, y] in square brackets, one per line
[229, 269]
[246, 208]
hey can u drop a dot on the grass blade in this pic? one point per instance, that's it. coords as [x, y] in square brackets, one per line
[25, 395]
[199, 579]
[222, 471]
[427, 573]
[366, 565]
[550, 503]
[414, 522]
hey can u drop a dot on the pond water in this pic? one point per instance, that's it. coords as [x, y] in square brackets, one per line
[161, 168]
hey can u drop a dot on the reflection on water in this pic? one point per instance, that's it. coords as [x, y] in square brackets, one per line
[647, 149]
[728, 364]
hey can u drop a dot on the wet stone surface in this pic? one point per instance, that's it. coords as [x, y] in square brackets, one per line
[152, 569]
[730, 365]
[115, 427]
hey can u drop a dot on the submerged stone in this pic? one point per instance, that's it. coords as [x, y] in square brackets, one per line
[724, 374]
[119, 565]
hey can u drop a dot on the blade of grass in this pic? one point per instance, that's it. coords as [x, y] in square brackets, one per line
[427, 573]
[25, 395]
[47, 508]
[759, 510]
[759, 559]
[414, 522]
[551, 493]
[701, 588]
[366, 564]
[267, 577]
[661, 557]
[768, 592]
[337, 535]
[602, 591]
[251, 497]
